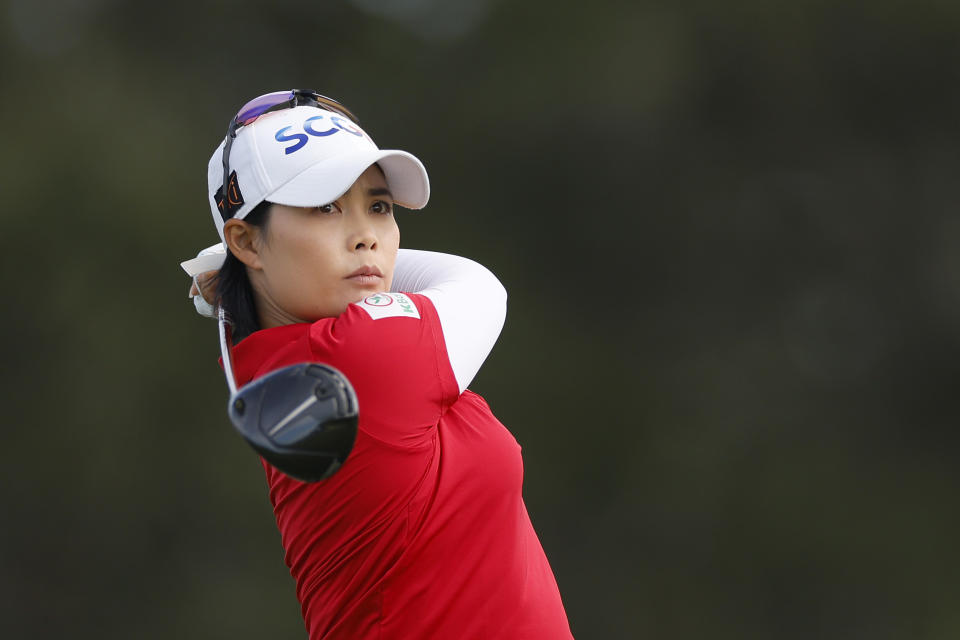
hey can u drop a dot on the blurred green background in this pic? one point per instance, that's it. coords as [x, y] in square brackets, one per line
[729, 232]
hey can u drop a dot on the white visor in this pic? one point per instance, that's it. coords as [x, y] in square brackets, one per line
[302, 157]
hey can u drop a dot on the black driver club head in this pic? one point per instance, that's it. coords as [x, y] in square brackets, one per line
[302, 419]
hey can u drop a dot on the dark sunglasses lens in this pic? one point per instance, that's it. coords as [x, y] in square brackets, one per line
[258, 106]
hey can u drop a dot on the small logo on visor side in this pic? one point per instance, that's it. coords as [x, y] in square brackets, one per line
[234, 198]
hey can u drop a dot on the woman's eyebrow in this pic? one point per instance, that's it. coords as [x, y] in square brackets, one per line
[380, 191]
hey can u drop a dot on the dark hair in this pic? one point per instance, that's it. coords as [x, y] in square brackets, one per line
[234, 294]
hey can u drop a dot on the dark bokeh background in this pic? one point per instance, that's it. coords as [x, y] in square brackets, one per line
[730, 236]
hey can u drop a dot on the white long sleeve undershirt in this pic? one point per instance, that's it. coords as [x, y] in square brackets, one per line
[471, 303]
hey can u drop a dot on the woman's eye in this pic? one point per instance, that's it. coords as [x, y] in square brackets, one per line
[326, 208]
[381, 206]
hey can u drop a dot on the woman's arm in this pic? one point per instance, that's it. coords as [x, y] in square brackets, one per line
[470, 301]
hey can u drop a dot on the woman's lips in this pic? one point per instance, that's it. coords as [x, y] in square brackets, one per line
[366, 275]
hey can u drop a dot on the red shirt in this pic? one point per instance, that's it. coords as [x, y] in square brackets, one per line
[423, 532]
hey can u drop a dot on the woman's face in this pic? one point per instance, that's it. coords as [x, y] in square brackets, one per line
[315, 262]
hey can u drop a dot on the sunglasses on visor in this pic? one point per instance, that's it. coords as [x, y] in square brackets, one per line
[265, 104]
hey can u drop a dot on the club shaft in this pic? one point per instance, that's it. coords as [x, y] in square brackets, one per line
[226, 346]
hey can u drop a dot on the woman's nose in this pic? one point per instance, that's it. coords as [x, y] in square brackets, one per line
[362, 235]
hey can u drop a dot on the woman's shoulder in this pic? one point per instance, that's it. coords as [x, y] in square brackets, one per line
[268, 349]
[379, 316]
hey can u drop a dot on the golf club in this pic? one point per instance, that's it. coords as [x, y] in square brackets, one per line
[302, 419]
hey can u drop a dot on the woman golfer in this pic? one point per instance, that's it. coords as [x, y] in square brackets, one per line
[422, 533]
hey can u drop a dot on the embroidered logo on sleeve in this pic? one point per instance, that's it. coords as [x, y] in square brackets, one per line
[388, 305]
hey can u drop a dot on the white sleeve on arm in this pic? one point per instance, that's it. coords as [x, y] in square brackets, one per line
[470, 301]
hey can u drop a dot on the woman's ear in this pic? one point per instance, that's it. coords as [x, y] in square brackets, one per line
[243, 240]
